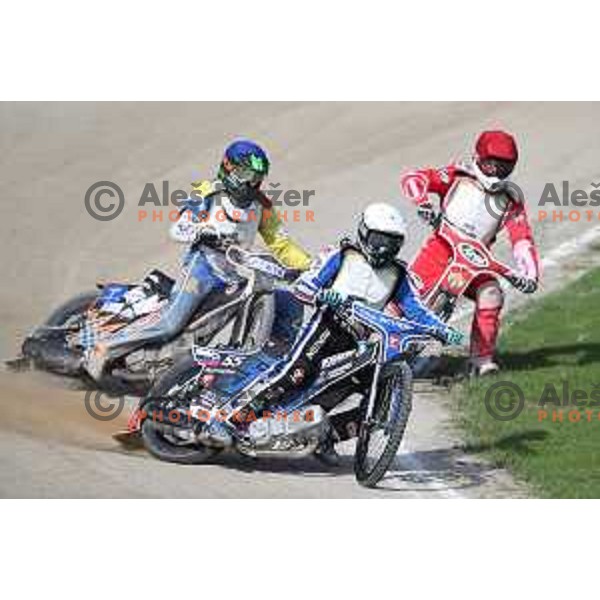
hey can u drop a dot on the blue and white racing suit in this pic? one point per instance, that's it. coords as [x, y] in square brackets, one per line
[205, 269]
[347, 271]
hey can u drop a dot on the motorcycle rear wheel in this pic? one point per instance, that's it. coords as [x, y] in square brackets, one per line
[72, 308]
[380, 437]
[47, 347]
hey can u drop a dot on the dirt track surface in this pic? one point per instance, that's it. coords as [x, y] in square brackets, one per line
[350, 154]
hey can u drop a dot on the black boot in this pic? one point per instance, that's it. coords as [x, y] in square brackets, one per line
[326, 452]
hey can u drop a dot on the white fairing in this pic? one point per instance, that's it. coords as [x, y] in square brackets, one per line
[474, 210]
[358, 278]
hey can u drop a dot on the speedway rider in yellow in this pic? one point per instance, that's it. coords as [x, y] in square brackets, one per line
[230, 209]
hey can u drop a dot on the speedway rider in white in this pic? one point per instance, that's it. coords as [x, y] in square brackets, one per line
[366, 270]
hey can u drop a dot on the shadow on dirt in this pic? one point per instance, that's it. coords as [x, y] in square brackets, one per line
[424, 471]
[436, 470]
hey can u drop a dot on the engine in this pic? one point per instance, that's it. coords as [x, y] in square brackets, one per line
[283, 432]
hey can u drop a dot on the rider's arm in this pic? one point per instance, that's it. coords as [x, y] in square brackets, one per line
[417, 184]
[280, 244]
[184, 230]
[521, 238]
[407, 300]
[321, 274]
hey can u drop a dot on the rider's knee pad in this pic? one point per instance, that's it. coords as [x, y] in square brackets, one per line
[490, 296]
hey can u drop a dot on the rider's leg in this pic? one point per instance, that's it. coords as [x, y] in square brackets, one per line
[429, 264]
[320, 338]
[289, 314]
[489, 300]
[197, 282]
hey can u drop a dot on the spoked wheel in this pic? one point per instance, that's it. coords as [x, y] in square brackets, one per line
[380, 436]
[72, 310]
[167, 432]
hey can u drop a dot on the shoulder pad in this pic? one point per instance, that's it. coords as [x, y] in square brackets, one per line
[204, 187]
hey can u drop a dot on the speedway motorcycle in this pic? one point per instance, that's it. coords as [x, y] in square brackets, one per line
[177, 420]
[470, 259]
[247, 305]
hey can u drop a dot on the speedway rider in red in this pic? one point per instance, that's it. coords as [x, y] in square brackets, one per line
[477, 197]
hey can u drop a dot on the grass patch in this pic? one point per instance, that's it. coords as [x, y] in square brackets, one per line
[557, 343]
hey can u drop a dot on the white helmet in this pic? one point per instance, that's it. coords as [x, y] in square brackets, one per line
[381, 233]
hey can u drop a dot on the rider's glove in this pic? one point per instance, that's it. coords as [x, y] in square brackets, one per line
[525, 284]
[427, 213]
[206, 236]
[454, 337]
[331, 298]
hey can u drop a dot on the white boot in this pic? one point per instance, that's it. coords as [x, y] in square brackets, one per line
[95, 361]
[484, 366]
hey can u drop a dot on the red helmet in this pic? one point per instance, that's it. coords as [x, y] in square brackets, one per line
[496, 153]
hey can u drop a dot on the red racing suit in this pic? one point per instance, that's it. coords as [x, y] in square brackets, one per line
[482, 207]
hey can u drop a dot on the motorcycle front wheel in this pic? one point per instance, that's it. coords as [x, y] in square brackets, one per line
[162, 438]
[380, 436]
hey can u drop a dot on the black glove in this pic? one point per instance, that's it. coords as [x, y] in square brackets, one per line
[428, 214]
[524, 284]
[206, 236]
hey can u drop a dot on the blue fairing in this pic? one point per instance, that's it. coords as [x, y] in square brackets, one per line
[233, 370]
[113, 292]
[396, 334]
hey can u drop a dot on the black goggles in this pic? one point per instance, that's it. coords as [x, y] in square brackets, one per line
[245, 176]
[383, 245]
[496, 167]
